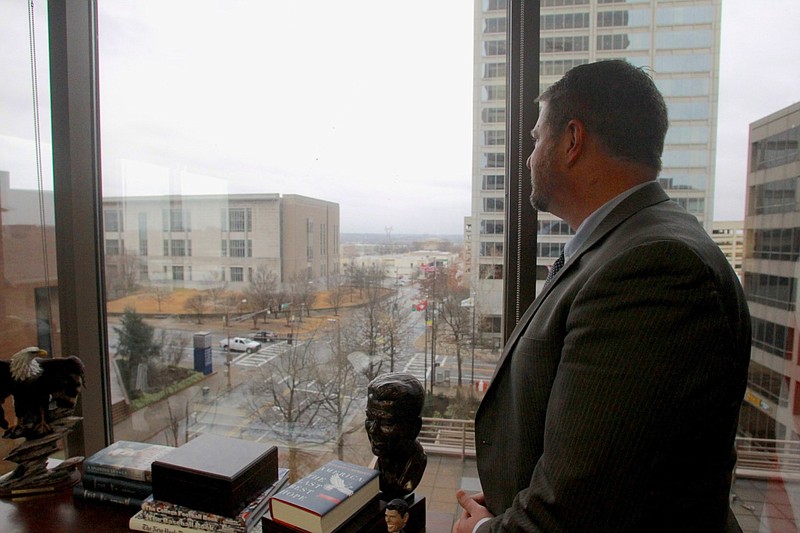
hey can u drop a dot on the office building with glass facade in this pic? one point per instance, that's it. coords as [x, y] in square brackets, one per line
[772, 237]
[677, 41]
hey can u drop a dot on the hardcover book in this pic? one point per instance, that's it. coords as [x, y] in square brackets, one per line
[215, 474]
[174, 514]
[326, 498]
[139, 523]
[116, 485]
[82, 493]
[126, 459]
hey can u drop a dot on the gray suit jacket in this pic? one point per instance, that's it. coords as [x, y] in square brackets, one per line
[614, 405]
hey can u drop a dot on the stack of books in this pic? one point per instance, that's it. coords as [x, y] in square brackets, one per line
[166, 517]
[120, 473]
[211, 483]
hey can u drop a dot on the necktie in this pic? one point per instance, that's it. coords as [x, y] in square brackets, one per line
[554, 269]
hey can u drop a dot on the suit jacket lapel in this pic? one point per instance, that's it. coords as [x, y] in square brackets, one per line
[645, 197]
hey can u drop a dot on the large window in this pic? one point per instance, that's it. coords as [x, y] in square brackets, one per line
[183, 115]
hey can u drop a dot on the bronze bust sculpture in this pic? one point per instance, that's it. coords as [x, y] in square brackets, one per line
[394, 405]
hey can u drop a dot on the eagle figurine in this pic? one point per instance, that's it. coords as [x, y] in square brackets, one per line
[34, 380]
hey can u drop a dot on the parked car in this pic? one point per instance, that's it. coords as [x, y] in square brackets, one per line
[240, 344]
[265, 336]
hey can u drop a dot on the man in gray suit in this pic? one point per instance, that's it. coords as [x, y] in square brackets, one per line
[614, 405]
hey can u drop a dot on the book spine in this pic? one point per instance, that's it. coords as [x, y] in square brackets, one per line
[78, 491]
[187, 524]
[154, 507]
[126, 487]
[118, 471]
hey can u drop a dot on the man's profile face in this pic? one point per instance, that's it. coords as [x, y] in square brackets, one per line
[394, 521]
[541, 163]
[388, 429]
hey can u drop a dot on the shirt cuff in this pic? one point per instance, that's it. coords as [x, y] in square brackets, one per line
[480, 523]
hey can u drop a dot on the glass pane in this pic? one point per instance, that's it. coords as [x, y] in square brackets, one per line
[277, 183]
[29, 282]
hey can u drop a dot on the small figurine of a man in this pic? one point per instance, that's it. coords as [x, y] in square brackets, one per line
[396, 515]
[394, 406]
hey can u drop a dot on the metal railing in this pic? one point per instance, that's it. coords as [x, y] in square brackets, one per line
[757, 458]
[448, 436]
[767, 458]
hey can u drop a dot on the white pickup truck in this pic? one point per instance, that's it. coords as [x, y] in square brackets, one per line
[240, 344]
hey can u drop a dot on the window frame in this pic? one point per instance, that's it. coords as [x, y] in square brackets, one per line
[74, 90]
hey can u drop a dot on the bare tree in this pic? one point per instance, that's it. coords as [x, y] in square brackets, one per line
[173, 347]
[161, 294]
[302, 291]
[197, 305]
[284, 395]
[457, 322]
[215, 287]
[262, 293]
[337, 291]
[122, 273]
[342, 390]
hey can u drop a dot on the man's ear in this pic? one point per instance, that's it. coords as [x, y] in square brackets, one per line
[575, 140]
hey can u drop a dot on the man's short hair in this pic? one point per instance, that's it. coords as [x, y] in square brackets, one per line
[618, 103]
[403, 391]
[399, 505]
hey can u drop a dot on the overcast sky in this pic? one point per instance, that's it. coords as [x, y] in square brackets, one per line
[372, 110]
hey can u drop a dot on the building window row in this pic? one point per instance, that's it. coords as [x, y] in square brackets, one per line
[559, 3]
[695, 206]
[781, 244]
[493, 183]
[176, 220]
[494, 137]
[492, 227]
[494, 70]
[237, 248]
[493, 271]
[493, 115]
[563, 21]
[775, 291]
[494, 5]
[491, 249]
[757, 424]
[491, 93]
[237, 219]
[494, 25]
[554, 227]
[773, 338]
[776, 150]
[114, 246]
[613, 42]
[549, 249]
[493, 205]
[177, 248]
[559, 67]
[551, 45]
[112, 220]
[769, 384]
[494, 48]
[494, 160]
[774, 197]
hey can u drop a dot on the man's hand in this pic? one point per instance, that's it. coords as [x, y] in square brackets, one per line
[473, 511]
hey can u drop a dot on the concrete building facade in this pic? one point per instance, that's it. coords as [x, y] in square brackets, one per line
[771, 274]
[188, 241]
[677, 40]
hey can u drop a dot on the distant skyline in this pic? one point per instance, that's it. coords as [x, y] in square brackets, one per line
[246, 96]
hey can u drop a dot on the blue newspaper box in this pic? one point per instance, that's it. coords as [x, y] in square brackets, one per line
[202, 352]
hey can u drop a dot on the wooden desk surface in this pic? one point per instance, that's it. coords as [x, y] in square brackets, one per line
[59, 513]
